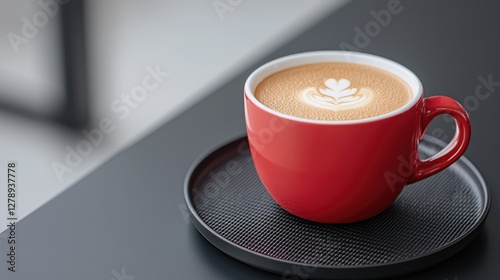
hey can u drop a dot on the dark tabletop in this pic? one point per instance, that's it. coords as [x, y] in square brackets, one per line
[128, 220]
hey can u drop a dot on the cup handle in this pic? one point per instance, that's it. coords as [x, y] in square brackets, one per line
[434, 106]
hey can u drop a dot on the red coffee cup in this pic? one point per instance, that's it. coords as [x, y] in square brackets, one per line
[346, 171]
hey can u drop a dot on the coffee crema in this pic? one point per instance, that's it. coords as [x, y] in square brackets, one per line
[333, 91]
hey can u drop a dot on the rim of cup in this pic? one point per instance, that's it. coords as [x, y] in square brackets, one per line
[334, 56]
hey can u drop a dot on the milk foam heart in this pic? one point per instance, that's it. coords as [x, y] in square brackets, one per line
[337, 96]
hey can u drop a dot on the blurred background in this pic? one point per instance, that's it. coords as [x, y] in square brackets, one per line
[82, 80]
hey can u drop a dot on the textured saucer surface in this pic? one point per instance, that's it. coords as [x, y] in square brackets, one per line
[430, 221]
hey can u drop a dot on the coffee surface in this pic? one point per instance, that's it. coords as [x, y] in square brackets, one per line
[333, 91]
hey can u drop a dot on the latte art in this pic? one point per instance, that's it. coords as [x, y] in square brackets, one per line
[337, 95]
[333, 91]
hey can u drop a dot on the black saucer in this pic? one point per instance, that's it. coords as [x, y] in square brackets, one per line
[430, 221]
